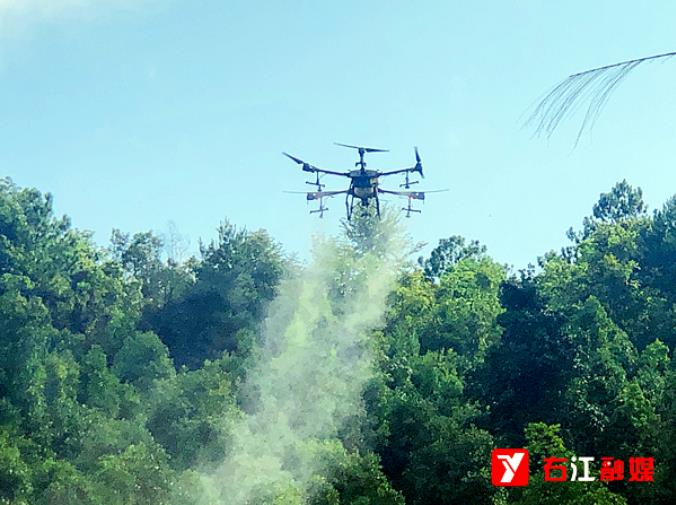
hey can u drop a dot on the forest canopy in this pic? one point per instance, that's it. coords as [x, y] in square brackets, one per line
[121, 367]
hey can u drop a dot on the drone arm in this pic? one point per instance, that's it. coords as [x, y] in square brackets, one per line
[400, 171]
[329, 172]
[307, 167]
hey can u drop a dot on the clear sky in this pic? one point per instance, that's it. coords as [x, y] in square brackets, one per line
[137, 113]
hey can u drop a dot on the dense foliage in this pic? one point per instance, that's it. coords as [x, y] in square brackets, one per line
[120, 368]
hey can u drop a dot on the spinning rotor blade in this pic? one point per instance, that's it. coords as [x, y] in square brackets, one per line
[415, 195]
[297, 160]
[314, 195]
[317, 195]
[365, 149]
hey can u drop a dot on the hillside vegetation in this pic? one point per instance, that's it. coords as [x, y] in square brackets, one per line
[122, 370]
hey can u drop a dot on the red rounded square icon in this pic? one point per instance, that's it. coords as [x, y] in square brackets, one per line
[509, 467]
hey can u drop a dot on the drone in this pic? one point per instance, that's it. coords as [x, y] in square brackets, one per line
[364, 185]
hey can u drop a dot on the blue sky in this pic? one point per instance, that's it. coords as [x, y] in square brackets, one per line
[137, 113]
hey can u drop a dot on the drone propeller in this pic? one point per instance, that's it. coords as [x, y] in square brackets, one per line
[317, 195]
[364, 149]
[415, 195]
[306, 166]
[297, 160]
[416, 168]
[418, 163]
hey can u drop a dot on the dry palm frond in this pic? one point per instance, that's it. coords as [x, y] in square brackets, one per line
[592, 87]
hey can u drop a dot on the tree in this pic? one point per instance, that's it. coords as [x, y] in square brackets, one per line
[544, 441]
[353, 479]
[529, 366]
[576, 358]
[658, 249]
[448, 253]
[466, 310]
[623, 205]
[432, 452]
[143, 360]
[622, 202]
[191, 414]
[15, 474]
[235, 280]
[139, 475]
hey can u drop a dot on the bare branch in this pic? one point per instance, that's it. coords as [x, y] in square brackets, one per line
[592, 87]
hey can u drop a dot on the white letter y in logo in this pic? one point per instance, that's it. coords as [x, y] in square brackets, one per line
[511, 464]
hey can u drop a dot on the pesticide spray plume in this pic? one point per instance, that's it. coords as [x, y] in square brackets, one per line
[314, 360]
[593, 87]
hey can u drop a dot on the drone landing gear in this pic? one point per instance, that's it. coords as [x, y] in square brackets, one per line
[320, 211]
[409, 209]
[407, 184]
[319, 185]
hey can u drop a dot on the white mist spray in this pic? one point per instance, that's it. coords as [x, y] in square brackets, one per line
[313, 366]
